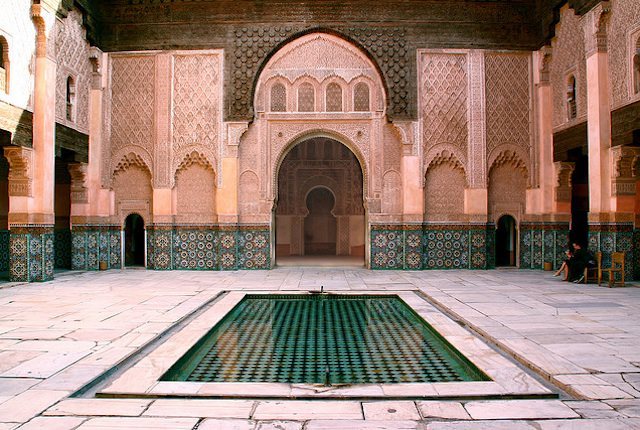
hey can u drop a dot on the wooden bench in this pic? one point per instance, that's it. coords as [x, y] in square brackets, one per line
[594, 273]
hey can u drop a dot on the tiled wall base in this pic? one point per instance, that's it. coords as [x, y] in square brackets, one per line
[432, 246]
[543, 242]
[608, 238]
[207, 247]
[32, 254]
[92, 244]
[62, 248]
[5, 254]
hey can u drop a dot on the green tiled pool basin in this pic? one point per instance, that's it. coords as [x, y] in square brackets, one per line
[323, 339]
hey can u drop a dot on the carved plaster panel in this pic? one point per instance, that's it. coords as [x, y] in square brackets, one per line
[79, 190]
[20, 170]
[623, 160]
[568, 54]
[72, 55]
[623, 33]
[132, 102]
[443, 100]
[564, 170]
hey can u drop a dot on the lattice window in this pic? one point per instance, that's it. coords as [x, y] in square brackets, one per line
[636, 68]
[278, 98]
[4, 65]
[361, 97]
[334, 98]
[71, 98]
[306, 98]
[571, 98]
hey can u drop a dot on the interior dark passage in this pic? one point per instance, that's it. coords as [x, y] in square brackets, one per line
[134, 241]
[506, 239]
[320, 224]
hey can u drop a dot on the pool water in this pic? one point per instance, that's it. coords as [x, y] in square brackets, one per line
[323, 339]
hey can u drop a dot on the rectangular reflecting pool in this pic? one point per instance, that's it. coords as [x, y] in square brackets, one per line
[323, 339]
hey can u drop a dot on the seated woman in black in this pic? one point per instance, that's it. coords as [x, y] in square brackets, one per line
[574, 271]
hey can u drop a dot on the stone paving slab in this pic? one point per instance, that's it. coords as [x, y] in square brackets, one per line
[586, 338]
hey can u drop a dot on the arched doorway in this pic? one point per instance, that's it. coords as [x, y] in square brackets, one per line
[320, 226]
[506, 239]
[319, 210]
[134, 249]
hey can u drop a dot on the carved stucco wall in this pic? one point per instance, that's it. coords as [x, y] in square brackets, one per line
[133, 192]
[72, 55]
[508, 102]
[443, 102]
[195, 194]
[623, 23]
[17, 28]
[166, 109]
[568, 57]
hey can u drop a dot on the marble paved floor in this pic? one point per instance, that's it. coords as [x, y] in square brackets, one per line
[57, 336]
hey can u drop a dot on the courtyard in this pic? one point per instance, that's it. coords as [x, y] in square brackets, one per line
[63, 341]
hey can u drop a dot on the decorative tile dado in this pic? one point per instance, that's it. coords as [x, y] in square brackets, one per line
[62, 248]
[542, 242]
[614, 237]
[32, 253]
[91, 244]
[5, 253]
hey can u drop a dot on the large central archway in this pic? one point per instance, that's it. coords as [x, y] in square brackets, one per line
[320, 218]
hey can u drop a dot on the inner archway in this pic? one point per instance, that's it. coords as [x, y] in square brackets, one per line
[320, 214]
[134, 240]
[506, 239]
[320, 224]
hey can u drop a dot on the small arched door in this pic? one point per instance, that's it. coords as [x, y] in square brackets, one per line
[506, 240]
[134, 240]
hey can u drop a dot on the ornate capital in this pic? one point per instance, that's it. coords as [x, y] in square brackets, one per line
[95, 58]
[44, 21]
[594, 24]
[564, 170]
[623, 172]
[545, 63]
[20, 170]
[79, 191]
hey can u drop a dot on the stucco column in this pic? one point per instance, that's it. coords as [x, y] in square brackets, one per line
[598, 112]
[544, 116]
[41, 208]
[227, 193]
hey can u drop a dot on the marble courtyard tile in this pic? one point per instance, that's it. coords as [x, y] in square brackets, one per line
[230, 424]
[139, 423]
[45, 365]
[53, 423]
[200, 408]
[99, 407]
[15, 386]
[307, 410]
[28, 404]
[518, 409]
[364, 425]
[443, 409]
[390, 410]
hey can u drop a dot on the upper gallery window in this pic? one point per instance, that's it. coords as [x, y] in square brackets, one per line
[361, 97]
[334, 98]
[306, 98]
[278, 98]
[4, 65]
[71, 98]
[571, 98]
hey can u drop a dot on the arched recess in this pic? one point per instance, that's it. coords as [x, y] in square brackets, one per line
[319, 163]
[4, 65]
[508, 182]
[445, 182]
[195, 190]
[132, 188]
[320, 224]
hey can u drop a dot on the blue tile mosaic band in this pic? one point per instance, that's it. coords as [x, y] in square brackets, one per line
[541, 243]
[62, 248]
[210, 247]
[91, 244]
[432, 246]
[613, 237]
[5, 252]
[32, 253]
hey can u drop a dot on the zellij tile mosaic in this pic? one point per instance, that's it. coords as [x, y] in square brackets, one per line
[323, 339]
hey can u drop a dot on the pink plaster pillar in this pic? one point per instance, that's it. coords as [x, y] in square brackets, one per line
[413, 194]
[598, 110]
[41, 209]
